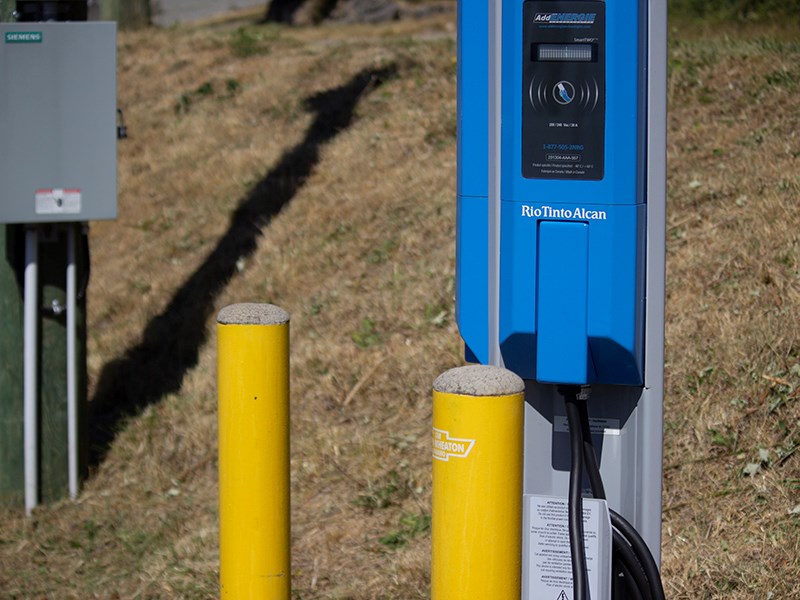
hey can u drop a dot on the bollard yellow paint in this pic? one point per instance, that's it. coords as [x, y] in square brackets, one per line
[477, 496]
[253, 388]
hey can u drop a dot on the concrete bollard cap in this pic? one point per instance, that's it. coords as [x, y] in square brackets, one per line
[479, 380]
[251, 313]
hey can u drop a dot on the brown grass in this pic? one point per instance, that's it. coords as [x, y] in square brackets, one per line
[733, 330]
[361, 254]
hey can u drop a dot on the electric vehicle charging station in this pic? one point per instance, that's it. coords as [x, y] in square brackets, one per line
[58, 130]
[560, 251]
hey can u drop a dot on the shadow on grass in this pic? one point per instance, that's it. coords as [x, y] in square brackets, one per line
[171, 342]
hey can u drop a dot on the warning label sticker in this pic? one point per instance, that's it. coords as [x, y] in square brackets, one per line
[597, 426]
[58, 201]
[547, 560]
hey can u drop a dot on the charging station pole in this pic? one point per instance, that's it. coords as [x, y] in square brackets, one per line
[560, 250]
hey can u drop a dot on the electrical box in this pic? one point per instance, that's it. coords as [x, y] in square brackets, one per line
[58, 111]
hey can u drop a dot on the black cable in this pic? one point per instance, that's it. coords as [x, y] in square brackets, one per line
[631, 553]
[626, 562]
[589, 455]
[626, 589]
[580, 583]
[642, 552]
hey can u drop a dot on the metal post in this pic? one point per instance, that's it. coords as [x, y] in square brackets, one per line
[495, 100]
[253, 388]
[72, 375]
[30, 386]
[477, 484]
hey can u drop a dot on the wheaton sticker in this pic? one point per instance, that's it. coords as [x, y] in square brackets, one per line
[444, 446]
[23, 37]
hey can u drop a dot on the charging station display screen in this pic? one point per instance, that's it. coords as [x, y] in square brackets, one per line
[564, 52]
[563, 81]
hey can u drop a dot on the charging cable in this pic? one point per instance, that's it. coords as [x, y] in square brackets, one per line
[636, 574]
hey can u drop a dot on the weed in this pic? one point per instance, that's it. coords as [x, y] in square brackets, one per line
[411, 526]
[784, 78]
[388, 493]
[232, 87]
[245, 43]
[438, 313]
[725, 438]
[367, 334]
[206, 90]
[381, 253]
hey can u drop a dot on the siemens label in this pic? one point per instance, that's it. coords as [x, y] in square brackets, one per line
[23, 37]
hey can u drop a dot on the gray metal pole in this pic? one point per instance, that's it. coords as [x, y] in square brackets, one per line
[651, 407]
[30, 386]
[72, 375]
[495, 85]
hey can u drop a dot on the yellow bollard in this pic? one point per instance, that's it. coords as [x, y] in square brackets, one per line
[253, 388]
[477, 484]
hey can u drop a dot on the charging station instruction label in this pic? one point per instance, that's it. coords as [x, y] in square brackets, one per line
[546, 553]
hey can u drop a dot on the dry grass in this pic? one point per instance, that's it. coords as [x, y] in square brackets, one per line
[359, 250]
[732, 478]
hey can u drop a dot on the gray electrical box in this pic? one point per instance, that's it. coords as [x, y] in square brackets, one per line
[58, 122]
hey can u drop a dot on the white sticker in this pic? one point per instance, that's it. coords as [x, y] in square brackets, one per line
[547, 562]
[58, 201]
[598, 426]
[444, 446]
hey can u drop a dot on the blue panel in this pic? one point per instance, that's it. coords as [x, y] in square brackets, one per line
[562, 349]
[473, 99]
[518, 291]
[545, 222]
[616, 283]
[615, 280]
[472, 276]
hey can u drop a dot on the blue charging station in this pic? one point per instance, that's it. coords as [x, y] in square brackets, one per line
[560, 232]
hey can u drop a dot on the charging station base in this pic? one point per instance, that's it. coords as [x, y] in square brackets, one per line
[546, 559]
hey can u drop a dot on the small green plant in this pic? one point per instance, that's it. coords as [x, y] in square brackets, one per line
[206, 90]
[437, 313]
[725, 439]
[232, 86]
[384, 496]
[381, 253]
[411, 525]
[183, 104]
[783, 78]
[367, 334]
[245, 42]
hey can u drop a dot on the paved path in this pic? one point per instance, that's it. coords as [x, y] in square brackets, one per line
[169, 12]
